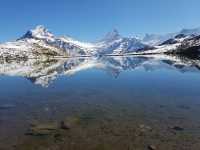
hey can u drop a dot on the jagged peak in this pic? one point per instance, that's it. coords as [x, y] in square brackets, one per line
[39, 29]
[113, 33]
[39, 32]
[195, 31]
[110, 36]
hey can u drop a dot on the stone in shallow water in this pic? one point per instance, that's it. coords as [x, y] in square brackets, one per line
[152, 147]
[42, 129]
[145, 128]
[64, 125]
[177, 128]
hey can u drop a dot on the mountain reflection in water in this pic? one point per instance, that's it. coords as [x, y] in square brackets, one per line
[43, 72]
[100, 103]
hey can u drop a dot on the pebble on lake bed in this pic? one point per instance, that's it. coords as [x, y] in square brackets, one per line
[64, 125]
[177, 128]
[152, 147]
[42, 129]
[39, 129]
[145, 128]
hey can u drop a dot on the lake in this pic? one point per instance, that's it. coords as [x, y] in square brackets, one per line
[100, 103]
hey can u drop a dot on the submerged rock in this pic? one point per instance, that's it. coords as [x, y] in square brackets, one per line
[64, 125]
[145, 128]
[42, 129]
[152, 147]
[177, 128]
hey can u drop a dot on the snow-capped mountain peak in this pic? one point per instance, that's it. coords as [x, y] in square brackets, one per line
[195, 31]
[40, 42]
[111, 36]
[156, 39]
[40, 32]
[114, 43]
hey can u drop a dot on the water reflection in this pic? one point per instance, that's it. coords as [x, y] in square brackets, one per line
[110, 103]
[44, 72]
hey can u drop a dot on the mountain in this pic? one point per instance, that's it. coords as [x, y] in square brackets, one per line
[40, 32]
[114, 43]
[40, 42]
[65, 44]
[111, 36]
[156, 39]
[195, 31]
[187, 42]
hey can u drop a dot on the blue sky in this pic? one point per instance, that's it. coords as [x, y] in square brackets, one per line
[89, 20]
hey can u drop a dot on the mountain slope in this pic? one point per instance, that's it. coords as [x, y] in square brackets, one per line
[180, 44]
[114, 43]
[39, 42]
[156, 39]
